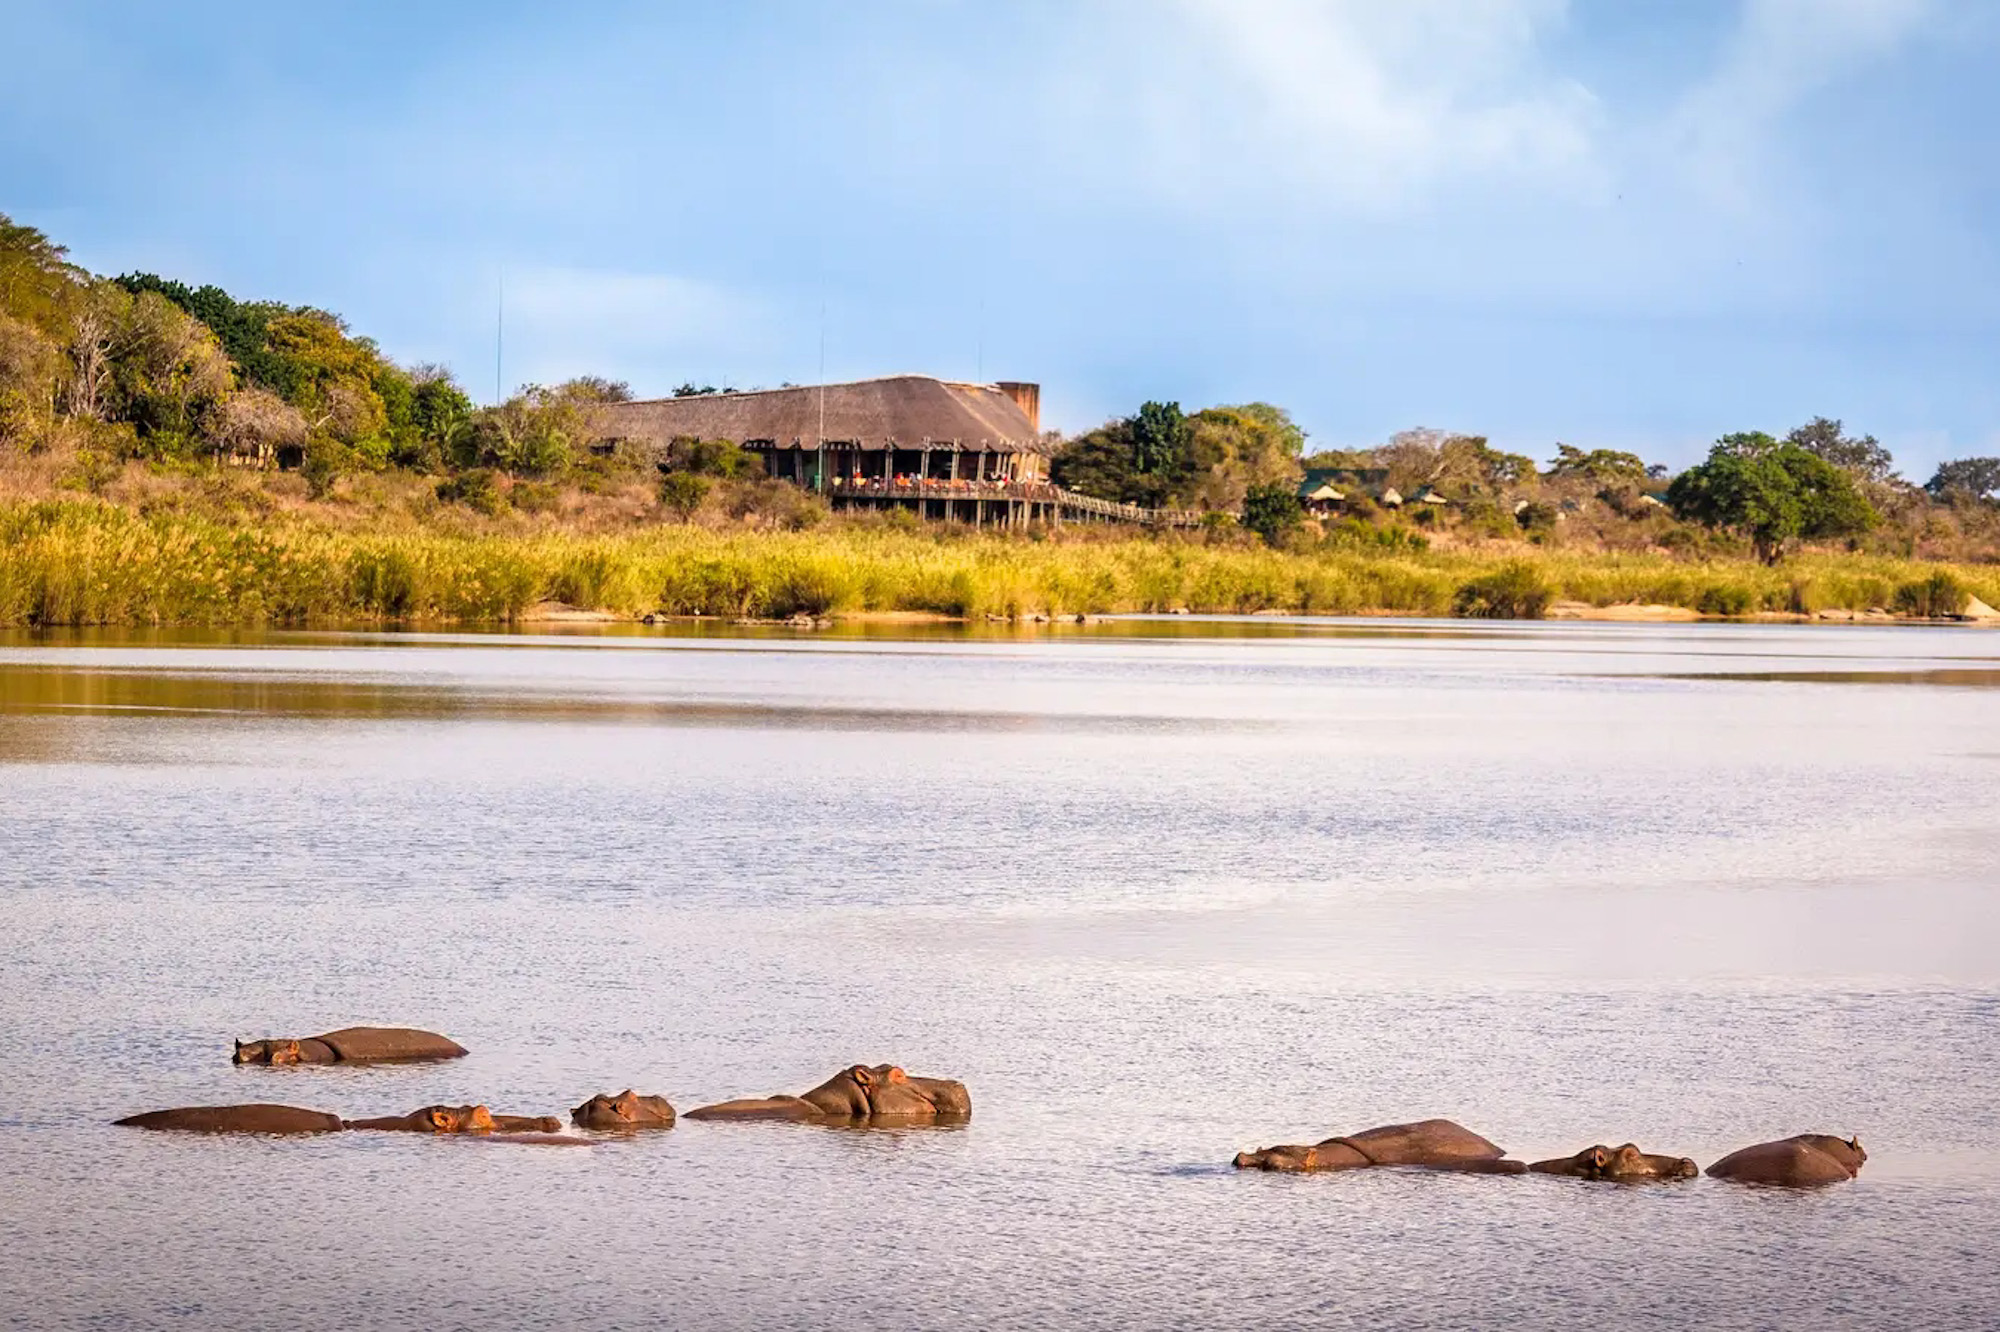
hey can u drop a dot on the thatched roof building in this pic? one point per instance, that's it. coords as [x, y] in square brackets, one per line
[903, 411]
[872, 429]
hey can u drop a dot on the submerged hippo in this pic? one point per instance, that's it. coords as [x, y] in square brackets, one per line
[883, 1094]
[237, 1119]
[1799, 1162]
[352, 1045]
[1619, 1163]
[460, 1119]
[1433, 1144]
[626, 1110]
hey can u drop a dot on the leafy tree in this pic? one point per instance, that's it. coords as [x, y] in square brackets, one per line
[596, 388]
[1773, 493]
[29, 365]
[1863, 456]
[1098, 463]
[440, 414]
[1598, 466]
[537, 432]
[1231, 449]
[38, 284]
[1966, 479]
[1462, 465]
[1161, 437]
[336, 373]
[688, 390]
[167, 367]
[1272, 510]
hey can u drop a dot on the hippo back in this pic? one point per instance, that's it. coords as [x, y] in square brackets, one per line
[1426, 1142]
[1804, 1161]
[388, 1044]
[236, 1119]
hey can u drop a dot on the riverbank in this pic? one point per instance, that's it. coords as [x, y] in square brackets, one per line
[90, 563]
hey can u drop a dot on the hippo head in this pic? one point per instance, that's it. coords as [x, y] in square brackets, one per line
[626, 1110]
[885, 1091]
[1847, 1151]
[1628, 1162]
[455, 1119]
[268, 1052]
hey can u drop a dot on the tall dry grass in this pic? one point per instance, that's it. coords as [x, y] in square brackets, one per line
[83, 562]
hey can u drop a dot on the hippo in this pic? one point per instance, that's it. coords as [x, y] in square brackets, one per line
[1626, 1163]
[352, 1045]
[1432, 1144]
[237, 1119]
[459, 1119]
[626, 1110]
[883, 1094]
[1804, 1161]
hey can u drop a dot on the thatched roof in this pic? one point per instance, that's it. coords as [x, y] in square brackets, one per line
[905, 411]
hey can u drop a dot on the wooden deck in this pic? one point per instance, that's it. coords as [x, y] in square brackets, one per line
[1000, 503]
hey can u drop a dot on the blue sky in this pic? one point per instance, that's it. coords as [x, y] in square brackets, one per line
[1631, 223]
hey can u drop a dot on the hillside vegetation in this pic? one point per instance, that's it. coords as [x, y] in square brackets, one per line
[176, 455]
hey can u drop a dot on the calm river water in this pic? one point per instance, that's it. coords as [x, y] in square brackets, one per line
[1157, 891]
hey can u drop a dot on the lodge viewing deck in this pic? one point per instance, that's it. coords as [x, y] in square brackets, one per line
[1001, 503]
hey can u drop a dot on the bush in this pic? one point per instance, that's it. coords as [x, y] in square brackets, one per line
[681, 493]
[1514, 591]
[326, 461]
[1934, 597]
[1537, 518]
[1731, 599]
[477, 489]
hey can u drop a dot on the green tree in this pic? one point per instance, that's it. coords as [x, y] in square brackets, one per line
[1160, 436]
[1864, 456]
[1098, 463]
[1772, 493]
[1272, 510]
[1966, 479]
[1231, 449]
[1598, 466]
[38, 284]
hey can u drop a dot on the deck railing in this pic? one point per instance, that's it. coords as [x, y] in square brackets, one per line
[1040, 492]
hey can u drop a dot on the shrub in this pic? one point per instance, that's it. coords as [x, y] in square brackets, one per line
[1727, 599]
[1515, 591]
[1939, 595]
[681, 493]
[477, 489]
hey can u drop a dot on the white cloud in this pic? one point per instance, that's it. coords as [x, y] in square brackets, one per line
[644, 327]
[1722, 136]
[1365, 105]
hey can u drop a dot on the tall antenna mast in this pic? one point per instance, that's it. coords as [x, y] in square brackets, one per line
[822, 374]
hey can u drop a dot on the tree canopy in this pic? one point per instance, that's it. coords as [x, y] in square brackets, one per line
[1966, 479]
[1772, 493]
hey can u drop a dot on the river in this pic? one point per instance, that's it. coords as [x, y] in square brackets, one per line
[1157, 890]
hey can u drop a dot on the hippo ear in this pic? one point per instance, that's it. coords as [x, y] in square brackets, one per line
[440, 1117]
[1599, 1157]
[862, 1074]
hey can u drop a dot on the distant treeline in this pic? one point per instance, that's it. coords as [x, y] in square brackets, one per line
[145, 372]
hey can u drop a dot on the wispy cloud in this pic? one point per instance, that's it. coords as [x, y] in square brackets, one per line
[1357, 105]
[1724, 135]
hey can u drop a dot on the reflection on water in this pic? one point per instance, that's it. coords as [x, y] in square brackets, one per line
[1156, 890]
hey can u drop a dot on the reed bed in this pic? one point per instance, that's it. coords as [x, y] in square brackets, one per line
[91, 563]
